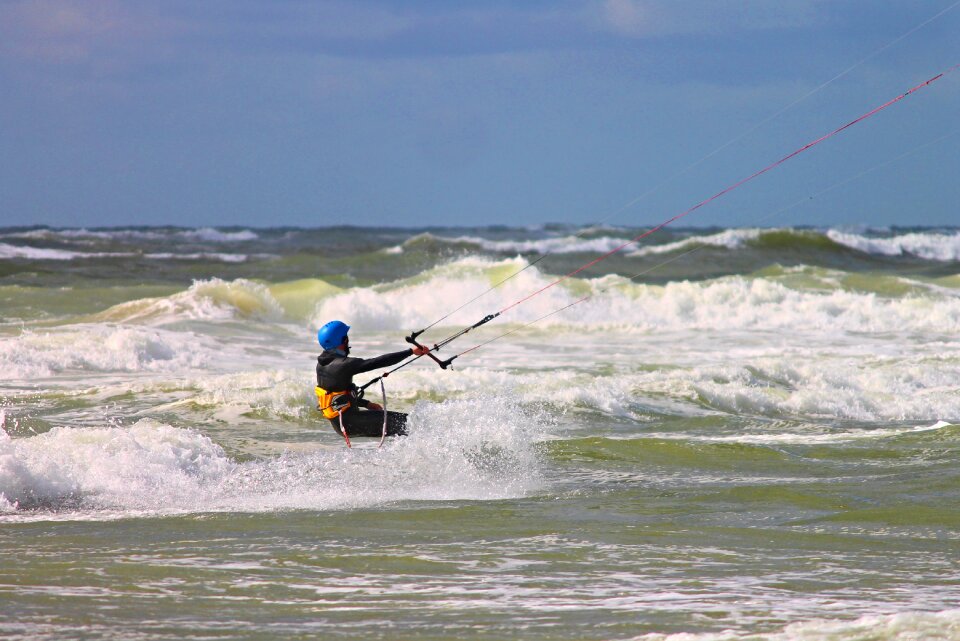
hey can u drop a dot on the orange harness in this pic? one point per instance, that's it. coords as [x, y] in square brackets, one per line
[328, 403]
[333, 405]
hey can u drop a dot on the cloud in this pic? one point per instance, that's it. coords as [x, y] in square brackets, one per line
[627, 17]
[125, 32]
[57, 30]
[418, 30]
[657, 18]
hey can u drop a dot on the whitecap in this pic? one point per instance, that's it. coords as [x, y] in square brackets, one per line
[224, 258]
[454, 452]
[212, 299]
[100, 348]
[210, 235]
[728, 239]
[203, 234]
[904, 626]
[564, 245]
[930, 246]
[40, 253]
[729, 303]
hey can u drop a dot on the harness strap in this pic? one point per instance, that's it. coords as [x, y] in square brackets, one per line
[332, 404]
[343, 431]
[383, 392]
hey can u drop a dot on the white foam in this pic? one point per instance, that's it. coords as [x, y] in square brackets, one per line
[224, 258]
[927, 245]
[936, 426]
[400, 304]
[906, 626]
[811, 377]
[39, 253]
[730, 303]
[804, 378]
[930, 246]
[563, 245]
[212, 299]
[729, 239]
[285, 394]
[204, 234]
[100, 348]
[210, 235]
[141, 467]
[804, 437]
[455, 452]
[70, 234]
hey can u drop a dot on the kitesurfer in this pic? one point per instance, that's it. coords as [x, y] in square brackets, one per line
[337, 395]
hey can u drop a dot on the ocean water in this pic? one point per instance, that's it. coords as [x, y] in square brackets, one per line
[735, 434]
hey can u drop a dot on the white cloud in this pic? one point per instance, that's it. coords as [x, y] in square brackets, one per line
[640, 18]
[93, 39]
[58, 30]
[346, 20]
[627, 17]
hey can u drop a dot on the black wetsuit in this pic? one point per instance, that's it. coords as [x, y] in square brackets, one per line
[335, 373]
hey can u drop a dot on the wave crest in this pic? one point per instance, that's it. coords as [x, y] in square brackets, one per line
[729, 303]
[455, 452]
[929, 246]
[212, 299]
[103, 348]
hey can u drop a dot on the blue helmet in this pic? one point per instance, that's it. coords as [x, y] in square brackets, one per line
[332, 334]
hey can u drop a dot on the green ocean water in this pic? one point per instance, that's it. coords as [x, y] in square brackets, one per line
[741, 434]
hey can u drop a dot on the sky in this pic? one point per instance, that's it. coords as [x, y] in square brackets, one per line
[260, 113]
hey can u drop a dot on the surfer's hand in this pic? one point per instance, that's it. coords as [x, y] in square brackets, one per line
[420, 350]
[376, 407]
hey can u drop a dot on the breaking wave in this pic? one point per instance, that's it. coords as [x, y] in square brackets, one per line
[213, 299]
[205, 234]
[735, 302]
[776, 300]
[151, 467]
[940, 246]
[39, 253]
[100, 348]
[906, 626]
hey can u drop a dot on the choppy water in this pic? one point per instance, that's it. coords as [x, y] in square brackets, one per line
[741, 434]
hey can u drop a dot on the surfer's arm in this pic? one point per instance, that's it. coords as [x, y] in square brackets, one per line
[386, 360]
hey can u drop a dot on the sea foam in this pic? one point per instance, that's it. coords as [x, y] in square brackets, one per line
[571, 244]
[561, 245]
[205, 234]
[930, 246]
[729, 303]
[906, 626]
[141, 467]
[100, 348]
[38, 253]
[213, 299]
[728, 239]
[455, 452]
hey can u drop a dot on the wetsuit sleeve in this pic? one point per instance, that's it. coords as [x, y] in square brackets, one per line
[360, 365]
